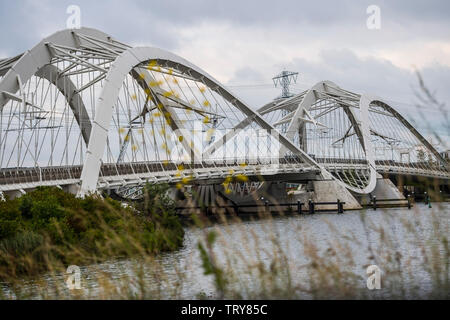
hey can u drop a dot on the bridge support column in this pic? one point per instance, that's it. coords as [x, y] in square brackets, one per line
[384, 190]
[331, 191]
[71, 188]
[13, 194]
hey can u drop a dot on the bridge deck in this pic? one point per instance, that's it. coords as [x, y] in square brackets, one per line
[139, 172]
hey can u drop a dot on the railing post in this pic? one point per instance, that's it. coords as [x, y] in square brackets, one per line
[340, 206]
[374, 202]
[299, 207]
[311, 207]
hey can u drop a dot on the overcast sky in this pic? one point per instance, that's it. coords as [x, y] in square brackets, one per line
[244, 44]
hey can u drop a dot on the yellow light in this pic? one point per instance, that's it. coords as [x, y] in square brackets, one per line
[202, 89]
[134, 97]
[206, 103]
[242, 178]
[186, 180]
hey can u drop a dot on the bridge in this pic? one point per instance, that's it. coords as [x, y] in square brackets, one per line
[86, 112]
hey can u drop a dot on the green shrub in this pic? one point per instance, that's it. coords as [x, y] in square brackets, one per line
[49, 225]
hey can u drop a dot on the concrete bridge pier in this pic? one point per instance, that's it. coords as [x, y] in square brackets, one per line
[385, 190]
[331, 191]
[13, 194]
[71, 188]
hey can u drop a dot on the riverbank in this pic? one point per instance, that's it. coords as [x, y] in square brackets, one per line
[49, 230]
[321, 256]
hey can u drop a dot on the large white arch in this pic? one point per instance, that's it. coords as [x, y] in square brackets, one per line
[119, 70]
[361, 127]
[33, 60]
[37, 62]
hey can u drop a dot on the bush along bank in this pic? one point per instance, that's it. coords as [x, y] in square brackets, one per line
[49, 229]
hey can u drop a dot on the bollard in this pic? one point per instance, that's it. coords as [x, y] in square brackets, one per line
[236, 209]
[374, 201]
[340, 206]
[429, 201]
[409, 202]
[299, 207]
[311, 207]
[267, 206]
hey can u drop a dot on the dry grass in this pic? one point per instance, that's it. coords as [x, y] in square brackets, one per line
[250, 260]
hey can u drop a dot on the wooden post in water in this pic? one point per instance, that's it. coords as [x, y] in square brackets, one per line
[311, 207]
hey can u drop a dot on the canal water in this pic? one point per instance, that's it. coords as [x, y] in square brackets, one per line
[245, 246]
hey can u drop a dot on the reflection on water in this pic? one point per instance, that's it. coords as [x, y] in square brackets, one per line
[180, 275]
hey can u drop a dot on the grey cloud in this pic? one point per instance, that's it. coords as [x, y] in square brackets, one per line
[370, 75]
[157, 22]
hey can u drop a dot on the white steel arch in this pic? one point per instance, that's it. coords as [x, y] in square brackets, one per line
[29, 63]
[119, 70]
[298, 117]
[360, 111]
